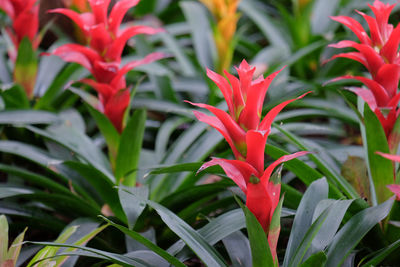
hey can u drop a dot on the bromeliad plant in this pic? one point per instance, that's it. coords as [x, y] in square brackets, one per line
[247, 137]
[102, 57]
[378, 53]
[25, 40]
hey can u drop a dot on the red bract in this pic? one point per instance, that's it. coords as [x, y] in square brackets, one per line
[379, 54]
[262, 194]
[245, 99]
[102, 32]
[247, 134]
[103, 56]
[25, 22]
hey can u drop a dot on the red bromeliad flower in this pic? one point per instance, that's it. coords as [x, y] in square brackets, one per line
[103, 56]
[247, 137]
[25, 22]
[262, 194]
[102, 32]
[379, 54]
[245, 99]
[395, 188]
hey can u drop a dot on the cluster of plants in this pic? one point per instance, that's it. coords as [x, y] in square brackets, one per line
[199, 133]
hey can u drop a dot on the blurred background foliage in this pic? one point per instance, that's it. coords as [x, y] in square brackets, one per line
[55, 171]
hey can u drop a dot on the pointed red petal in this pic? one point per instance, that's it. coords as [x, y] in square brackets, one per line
[382, 12]
[355, 27]
[381, 96]
[219, 126]
[105, 90]
[237, 134]
[255, 141]
[251, 114]
[226, 90]
[82, 55]
[105, 72]
[395, 158]
[388, 76]
[265, 124]
[366, 95]
[118, 12]
[395, 188]
[115, 108]
[238, 100]
[357, 56]
[8, 8]
[389, 50]
[259, 203]
[268, 171]
[84, 21]
[99, 9]
[343, 44]
[135, 63]
[245, 72]
[373, 28]
[373, 59]
[100, 38]
[115, 51]
[274, 191]
[238, 171]
[27, 23]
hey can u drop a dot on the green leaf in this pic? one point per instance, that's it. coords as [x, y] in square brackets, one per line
[382, 254]
[14, 97]
[96, 253]
[56, 87]
[238, 247]
[316, 260]
[322, 9]
[129, 149]
[272, 32]
[43, 159]
[51, 251]
[27, 117]
[3, 238]
[304, 172]
[381, 168]
[15, 248]
[324, 167]
[132, 209]
[103, 186]
[305, 244]
[217, 229]
[68, 136]
[260, 251]
[197, 19]
[316, 192]
[108, 131]
[354, 230]
[80, 242]
[6, 192]
[190, 236]
[26, 67]
[328, 230]
[136, 236]
[275, 226]
[173, 46]
[176, 168]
